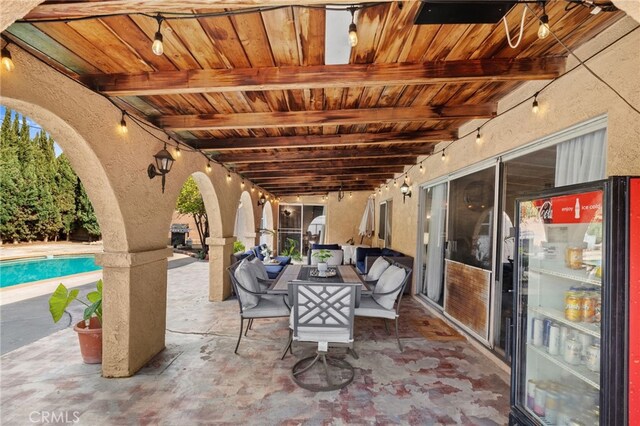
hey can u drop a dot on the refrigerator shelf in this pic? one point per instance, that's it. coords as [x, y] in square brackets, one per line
[580, 371]
[592, 329]
[561, 271]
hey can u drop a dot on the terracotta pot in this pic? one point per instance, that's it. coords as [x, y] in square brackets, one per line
[90, 340]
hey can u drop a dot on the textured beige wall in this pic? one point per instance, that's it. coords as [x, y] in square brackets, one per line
[569, 101]
[12, 10]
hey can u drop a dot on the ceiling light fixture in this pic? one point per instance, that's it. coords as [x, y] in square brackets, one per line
[177, 151]
[228, 176]
[444, 156]
[353, 29]
[534, 106]
[543, 29]
[208, 168]
[242, 184]
[157, 47]
[478, 137]
[7, 62]
[421, 168]
[164, 161]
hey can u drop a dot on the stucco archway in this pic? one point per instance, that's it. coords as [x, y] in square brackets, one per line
[266, 223]
[245, 228]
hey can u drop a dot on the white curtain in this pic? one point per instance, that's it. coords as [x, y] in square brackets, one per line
[435, 249]
[581, 159]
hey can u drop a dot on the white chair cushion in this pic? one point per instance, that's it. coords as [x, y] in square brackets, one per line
[246, 275]
[370, 308]
[320, 334]
[269, 305]
[389, 280]
[260, 269]
[334, 260]
[379, 266]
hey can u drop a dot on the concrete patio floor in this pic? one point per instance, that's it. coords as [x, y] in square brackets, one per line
[438, 379]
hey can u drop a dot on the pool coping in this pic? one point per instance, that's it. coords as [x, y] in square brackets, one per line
[32, 289]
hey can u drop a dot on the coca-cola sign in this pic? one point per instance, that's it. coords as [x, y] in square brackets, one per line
[574, 208]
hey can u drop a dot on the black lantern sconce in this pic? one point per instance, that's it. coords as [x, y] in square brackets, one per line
[405, 190]
[340, 193]
[262, 200]
[164, 161]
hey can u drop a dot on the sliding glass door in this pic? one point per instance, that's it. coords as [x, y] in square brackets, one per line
[433, 242]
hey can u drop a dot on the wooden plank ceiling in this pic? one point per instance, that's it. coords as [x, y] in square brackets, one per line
[253, 90]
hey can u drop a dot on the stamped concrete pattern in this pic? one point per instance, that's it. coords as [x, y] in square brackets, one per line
[197, 379]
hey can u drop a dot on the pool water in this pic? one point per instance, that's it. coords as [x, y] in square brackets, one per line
[14, 272]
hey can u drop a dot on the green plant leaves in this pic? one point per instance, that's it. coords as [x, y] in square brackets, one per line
[60, 300]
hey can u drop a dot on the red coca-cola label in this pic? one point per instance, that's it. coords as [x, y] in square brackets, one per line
[575, 208]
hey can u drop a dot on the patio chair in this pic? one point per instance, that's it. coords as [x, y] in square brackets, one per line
[252, 298]
[387, 293]
[322, 313]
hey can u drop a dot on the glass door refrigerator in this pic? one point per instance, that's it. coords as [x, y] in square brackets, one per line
[571, 321]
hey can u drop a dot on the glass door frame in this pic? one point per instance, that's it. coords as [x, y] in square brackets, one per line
[302, 230]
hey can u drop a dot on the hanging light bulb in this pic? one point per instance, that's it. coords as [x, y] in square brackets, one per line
[228, 177]
[123, 124]
[395, 182]
[386, 186]
[242, 184]
[298, 198]
[177, 151]
[443, 157]
[7, 62]
[208, 169]
[350, 194]
[353, 30]
[253, 188]
[478, 137]
[534, 106]
[157, 47]
[543, 29]
[421, 168]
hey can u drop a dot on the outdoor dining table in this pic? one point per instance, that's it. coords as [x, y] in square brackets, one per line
[344, 274]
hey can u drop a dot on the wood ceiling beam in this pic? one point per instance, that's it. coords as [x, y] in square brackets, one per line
[344, 172]
[368, 185]
[337, 179]
[310, 141]
[68, 9]
[333, 154]
[342, 117]
[295, 166]
[325, 76]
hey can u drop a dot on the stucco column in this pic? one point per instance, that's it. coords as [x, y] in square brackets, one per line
[134, 309]
[220, 251]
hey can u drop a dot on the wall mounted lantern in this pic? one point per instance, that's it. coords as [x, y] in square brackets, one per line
[262, 200]
[164, 161]
[340, 193]
[406, 191]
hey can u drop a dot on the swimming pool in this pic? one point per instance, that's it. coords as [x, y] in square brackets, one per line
[14, 272]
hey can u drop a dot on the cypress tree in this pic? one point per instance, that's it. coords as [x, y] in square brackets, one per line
[85, 216]
[10, 179]
[49, 221]
[66, 194]
[27, 215]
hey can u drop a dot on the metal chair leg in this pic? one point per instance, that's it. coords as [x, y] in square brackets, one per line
[240, 336]
[398, 336]
[251, 324]
[288, 348]
[248, 325]
[386, 325]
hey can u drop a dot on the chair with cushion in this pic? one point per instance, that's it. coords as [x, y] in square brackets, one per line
[250, 289]
[335, 260]
[322, 313]
[321, 246]
[387, 293]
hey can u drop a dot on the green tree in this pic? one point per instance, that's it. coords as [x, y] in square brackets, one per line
[49, 220]
[85, 216]
[10, 179]
[190, 202]
[66, 181]
[26, 223]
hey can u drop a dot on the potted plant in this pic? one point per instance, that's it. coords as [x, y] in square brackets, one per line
[90, 328]
[322, 255]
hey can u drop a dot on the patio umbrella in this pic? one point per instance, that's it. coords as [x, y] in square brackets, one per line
[366, 224]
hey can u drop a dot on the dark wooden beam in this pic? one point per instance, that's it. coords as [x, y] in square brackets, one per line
[369, 185]
[293, 166]
[325, 76]
[324, 154]
[280, 119]
[337, 179]
[310, 141]
[256, 175]
[69, 9]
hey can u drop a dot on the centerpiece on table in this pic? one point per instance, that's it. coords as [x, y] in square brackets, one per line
[322, 255]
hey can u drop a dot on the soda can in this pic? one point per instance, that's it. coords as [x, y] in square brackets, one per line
[593, 358]
[546, 325]
[537, 332]
[588, 307]
[531, 393]
[554, 340]
[551, 408]
[585, 340]
[573, 306]
[572, 352]
[564, 335]
[597, 316]
[540, 401]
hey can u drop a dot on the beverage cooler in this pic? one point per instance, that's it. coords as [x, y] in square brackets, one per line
[570, 352]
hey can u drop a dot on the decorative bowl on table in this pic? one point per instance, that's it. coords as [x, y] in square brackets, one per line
[331, 272]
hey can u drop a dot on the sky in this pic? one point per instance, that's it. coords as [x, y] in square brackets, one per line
[34, 128]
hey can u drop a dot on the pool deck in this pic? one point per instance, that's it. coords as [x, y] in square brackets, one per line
[40, 249]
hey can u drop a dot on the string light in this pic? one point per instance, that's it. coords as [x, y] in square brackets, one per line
[208, 169]
[353, 29]
[350, 194]
[177, 151]
[242, 184]
[395, 182]
[421, 168]
[7, 62]
[543, 29]
[157, 47]
[534, 106]
[443, 157]
[253, 188]
[298, 198]
[123, 124]
[478, 138]
[228, 177]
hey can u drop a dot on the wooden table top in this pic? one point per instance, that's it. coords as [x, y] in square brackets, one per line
[348, 274]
